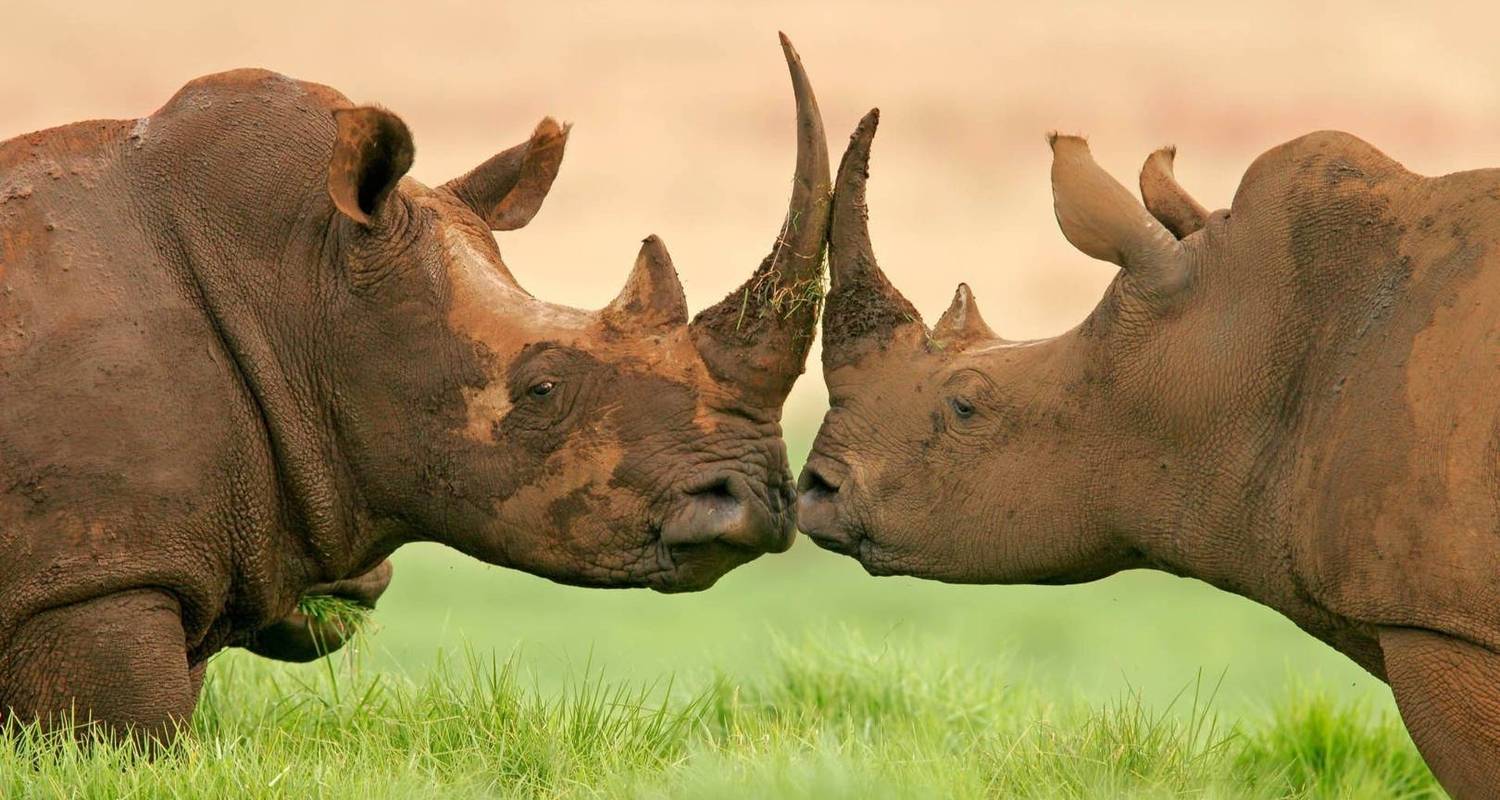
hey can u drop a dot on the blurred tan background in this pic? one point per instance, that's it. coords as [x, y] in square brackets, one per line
[683, 116]
[684, 127]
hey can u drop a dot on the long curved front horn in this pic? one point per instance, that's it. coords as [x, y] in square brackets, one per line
[758, 336]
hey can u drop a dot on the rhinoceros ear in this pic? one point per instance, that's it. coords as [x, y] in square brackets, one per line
[1166, 199]
[508, 190]
[372, 151]
[1101, 218]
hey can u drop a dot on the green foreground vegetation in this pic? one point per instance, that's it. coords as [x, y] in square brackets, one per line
[796, 676]
[836, 719]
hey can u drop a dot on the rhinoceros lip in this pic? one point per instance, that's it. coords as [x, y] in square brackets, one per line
[844, 543]
[845, 537]
[852, 540]
[678, 573]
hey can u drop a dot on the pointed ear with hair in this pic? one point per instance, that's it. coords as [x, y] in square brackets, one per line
[371, 152]
[507, 190]
[1166, 199]
[1101, 218]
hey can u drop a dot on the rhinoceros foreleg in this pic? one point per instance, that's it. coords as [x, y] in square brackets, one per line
[1448, 691]
[117, 661]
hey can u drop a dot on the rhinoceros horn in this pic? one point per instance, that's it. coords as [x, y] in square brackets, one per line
[864, 309]
[652, 298]
[758, 336]
[961, 325]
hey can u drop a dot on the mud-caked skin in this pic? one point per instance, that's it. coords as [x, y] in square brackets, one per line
[243, 359]
[1296, 400]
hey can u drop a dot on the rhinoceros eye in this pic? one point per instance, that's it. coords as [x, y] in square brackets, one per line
[542, 389]
[963, 408]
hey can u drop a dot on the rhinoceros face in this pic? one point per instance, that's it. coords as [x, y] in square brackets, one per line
[954, 454]
[619, 447]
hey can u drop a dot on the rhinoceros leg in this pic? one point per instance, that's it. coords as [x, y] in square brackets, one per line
[195, 683]
[1448, 692]
[117, 661]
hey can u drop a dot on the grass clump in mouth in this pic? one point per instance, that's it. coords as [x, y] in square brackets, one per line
[345, 615]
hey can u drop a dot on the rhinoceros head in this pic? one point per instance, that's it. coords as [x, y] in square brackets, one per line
[952, 453]
[620, 447]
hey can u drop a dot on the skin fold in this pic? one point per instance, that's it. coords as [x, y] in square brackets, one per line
[1294, 399]
[244, 358]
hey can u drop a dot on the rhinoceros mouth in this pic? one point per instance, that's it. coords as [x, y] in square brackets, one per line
[697, 566]
[843, 542]
[853, 541]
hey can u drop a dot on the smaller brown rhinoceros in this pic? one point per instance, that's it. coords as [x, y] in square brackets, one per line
[243, 358]
[1296, 400]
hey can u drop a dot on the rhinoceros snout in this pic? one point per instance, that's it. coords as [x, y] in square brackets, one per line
[818, 504]
[724, 509]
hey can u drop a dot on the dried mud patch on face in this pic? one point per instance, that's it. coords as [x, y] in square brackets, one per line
[862, 314]
[655, 421]
[598, 406]
[565, 512]
[750, 338]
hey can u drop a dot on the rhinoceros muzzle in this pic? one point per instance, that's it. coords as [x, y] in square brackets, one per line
[818, 506]
[724, 509]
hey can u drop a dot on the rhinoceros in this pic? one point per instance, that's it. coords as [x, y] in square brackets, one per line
[243, 357]
[1296, 400]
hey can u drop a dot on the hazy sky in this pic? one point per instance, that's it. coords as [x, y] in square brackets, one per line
[683, 112]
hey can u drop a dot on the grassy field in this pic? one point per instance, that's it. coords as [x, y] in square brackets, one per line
[796, 676]
[841, 717]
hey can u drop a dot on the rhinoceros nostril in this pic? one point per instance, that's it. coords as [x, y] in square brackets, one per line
[714, 491]
[725, 509]
[818, 505]
[815, 483]
[710, 508]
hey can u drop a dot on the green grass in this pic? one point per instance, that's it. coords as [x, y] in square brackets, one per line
[1148, 633]
[345, 615]
[836, 717]
[796, 676]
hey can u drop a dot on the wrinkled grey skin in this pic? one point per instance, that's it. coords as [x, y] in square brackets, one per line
[1296, 399]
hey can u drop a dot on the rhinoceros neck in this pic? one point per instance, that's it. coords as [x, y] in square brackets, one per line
[248, 221]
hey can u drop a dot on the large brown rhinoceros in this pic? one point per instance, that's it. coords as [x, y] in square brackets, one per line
[1296, 400]
[243, 358]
